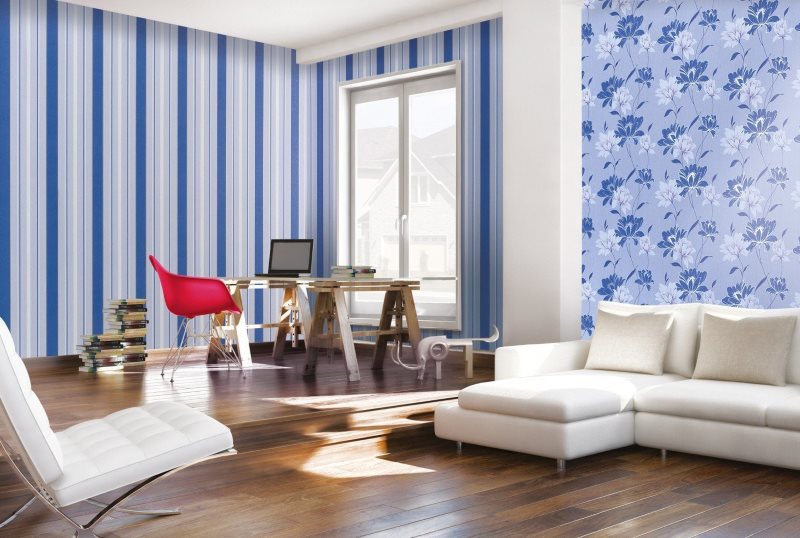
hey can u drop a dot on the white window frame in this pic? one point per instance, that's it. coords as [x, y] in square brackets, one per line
[350, 92]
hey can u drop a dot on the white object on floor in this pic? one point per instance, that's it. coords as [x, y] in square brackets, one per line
[438, 347]
[134, 446]
[532, 408]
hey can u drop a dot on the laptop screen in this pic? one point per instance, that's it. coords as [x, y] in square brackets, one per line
[290, 255]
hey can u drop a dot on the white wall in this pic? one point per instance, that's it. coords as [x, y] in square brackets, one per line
[541, 170]
[571, 163]
[463, 15]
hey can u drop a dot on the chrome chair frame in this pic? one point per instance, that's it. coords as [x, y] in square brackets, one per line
[87, 530]
[37, 486]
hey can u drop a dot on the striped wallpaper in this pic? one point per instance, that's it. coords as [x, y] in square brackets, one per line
[121, 137]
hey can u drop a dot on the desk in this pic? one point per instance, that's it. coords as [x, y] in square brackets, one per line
[330, 312]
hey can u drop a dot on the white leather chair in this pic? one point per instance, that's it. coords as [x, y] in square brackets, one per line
[133, 447]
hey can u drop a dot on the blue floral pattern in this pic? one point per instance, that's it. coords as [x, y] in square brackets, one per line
[691, 116]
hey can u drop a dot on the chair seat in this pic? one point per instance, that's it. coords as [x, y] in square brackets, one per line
[131, 445]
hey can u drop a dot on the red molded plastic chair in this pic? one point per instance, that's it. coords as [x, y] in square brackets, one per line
[190, 297]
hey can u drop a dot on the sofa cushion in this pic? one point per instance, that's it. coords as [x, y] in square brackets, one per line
[131, 445]
[785, 414]
[560, 397]
[793, 366]
[748, 350]
[722, 401]
[682, 348]
[630, 342]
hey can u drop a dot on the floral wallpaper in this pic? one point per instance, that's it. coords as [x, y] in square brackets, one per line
[691, 177]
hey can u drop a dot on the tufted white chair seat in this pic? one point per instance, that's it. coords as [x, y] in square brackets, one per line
[132, 445]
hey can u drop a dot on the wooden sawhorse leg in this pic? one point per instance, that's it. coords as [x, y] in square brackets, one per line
[331, 305]
[346, 334]
[410, 312]
[284, 318]
[313, 333]
[398, 304]
[390, 299]
[239, 331]
[306, 323]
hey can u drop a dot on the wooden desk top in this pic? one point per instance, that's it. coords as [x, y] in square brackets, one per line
[362, 283]
[321, 282]
[244, 280]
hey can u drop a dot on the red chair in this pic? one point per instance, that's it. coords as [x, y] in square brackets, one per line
[190, 297]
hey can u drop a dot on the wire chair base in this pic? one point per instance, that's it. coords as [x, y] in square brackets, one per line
[177, 353]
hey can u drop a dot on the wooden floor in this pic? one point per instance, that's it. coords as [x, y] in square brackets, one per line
[381, 472]
[268, 392]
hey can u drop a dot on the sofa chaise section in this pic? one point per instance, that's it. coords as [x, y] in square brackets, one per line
[563, 415]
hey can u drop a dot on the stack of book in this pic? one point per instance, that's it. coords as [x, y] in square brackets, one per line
[352, 271]
[123, 343]
[104, 352]
[363, 271]
[342, 271]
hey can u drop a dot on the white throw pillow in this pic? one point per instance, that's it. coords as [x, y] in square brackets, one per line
[682, 346]
[747, 350]
[733, 312]
[630, 343]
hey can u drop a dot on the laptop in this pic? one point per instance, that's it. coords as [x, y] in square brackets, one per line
[289, 258]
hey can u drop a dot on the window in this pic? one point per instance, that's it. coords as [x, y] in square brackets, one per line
[419, 189]
[403, 185]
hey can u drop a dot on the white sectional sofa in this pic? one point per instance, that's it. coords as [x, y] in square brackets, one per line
[546, 403]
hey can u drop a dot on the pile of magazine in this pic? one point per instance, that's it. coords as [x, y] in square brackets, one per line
[352, 271]
[123, 343]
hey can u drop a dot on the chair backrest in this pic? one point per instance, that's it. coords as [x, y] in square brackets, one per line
[26, 416]
[192, 296]
[169, 285]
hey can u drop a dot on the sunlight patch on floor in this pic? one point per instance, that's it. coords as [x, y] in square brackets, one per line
[254, 366]
[375, 400]
[364, 469]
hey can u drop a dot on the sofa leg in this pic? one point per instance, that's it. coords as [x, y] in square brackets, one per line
[663, 455]
[561, 465]
[458, 447]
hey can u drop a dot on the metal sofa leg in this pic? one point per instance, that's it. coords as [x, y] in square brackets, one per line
[561, 465]
[663, 455]
[459, 446]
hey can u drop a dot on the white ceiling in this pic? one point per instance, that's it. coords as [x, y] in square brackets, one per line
[289, 23]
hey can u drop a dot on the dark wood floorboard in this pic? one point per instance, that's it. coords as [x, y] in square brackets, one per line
[324, 457]
[278, 393]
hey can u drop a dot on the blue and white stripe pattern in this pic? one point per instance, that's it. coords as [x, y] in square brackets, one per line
[198, 148]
